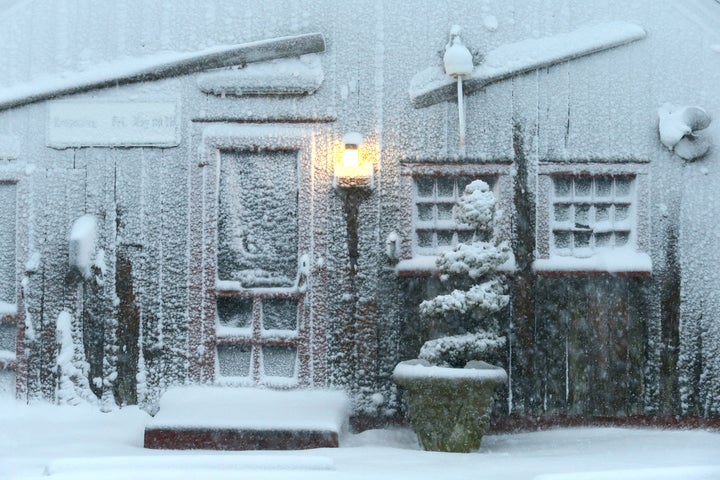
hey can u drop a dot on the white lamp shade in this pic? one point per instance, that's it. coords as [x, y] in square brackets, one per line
[457, 59]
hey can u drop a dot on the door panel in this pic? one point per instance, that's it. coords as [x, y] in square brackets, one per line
[258, 335]
[257, 218]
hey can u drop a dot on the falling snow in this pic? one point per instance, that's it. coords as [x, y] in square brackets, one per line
[559, 90]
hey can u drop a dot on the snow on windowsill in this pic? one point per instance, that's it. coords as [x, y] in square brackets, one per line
[268, 381]
[613, 262]
[224, 331]
[7, 356]
[7, 309]
[252, 408]
[426, 266]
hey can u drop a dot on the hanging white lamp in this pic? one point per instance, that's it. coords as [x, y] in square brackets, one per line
[458, 64]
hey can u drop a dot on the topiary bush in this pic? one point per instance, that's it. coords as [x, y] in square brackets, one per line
[476, 290]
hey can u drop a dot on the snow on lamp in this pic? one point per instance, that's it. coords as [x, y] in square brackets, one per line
[351, 171]
[458, 64]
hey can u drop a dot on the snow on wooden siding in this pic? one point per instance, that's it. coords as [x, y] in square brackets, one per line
[594, 112]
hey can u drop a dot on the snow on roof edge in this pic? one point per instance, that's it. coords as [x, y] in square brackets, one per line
[156, 67]
[703, 13]
[432, 86]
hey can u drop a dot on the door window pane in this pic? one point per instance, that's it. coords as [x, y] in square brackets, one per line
[280, 314]
[257, 218]
[235, 312]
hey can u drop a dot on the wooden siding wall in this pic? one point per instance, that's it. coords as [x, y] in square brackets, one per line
[591, 343]
[139, 199]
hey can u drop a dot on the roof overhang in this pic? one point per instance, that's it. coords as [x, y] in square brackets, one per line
[432, 85]
[156, 67]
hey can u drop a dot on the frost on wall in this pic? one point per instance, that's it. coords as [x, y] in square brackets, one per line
[257, 218]
[7, 242]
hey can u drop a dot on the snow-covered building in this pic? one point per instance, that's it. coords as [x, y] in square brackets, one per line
[175, 207]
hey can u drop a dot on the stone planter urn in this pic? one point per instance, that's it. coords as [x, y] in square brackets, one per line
[449, 407]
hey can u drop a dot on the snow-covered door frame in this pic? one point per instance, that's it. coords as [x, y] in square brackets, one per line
[203, 282]
[16, 175]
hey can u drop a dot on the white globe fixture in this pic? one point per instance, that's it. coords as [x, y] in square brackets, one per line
[458, 63]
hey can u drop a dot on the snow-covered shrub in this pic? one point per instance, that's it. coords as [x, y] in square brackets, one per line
[477, 291]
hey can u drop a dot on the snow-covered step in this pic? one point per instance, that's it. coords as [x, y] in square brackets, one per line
[228, 418]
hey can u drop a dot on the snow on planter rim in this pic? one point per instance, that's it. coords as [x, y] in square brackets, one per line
[416, 371]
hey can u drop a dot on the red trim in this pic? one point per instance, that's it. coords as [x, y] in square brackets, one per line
[240, 439]
[590, 273]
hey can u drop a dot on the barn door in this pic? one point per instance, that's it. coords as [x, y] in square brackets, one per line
[261, 328]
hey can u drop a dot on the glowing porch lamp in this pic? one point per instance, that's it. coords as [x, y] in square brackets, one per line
[352, 143]
[350, 172]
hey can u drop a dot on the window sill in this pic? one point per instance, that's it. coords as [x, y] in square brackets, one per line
[425, 266]
[611, 263]
[422, 266]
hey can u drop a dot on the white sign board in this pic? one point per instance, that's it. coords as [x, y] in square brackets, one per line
[112, 124]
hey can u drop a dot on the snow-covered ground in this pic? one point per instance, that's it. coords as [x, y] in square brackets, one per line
[80, 442]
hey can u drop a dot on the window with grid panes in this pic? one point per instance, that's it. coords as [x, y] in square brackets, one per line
[591, 213]
[434, 228]
[257, 337]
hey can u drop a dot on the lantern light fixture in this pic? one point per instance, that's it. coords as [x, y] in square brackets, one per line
[352, 171]
[352, 141]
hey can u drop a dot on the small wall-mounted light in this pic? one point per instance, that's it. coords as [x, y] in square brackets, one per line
[352, 171]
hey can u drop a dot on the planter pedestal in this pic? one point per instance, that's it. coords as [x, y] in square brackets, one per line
[449, 407]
